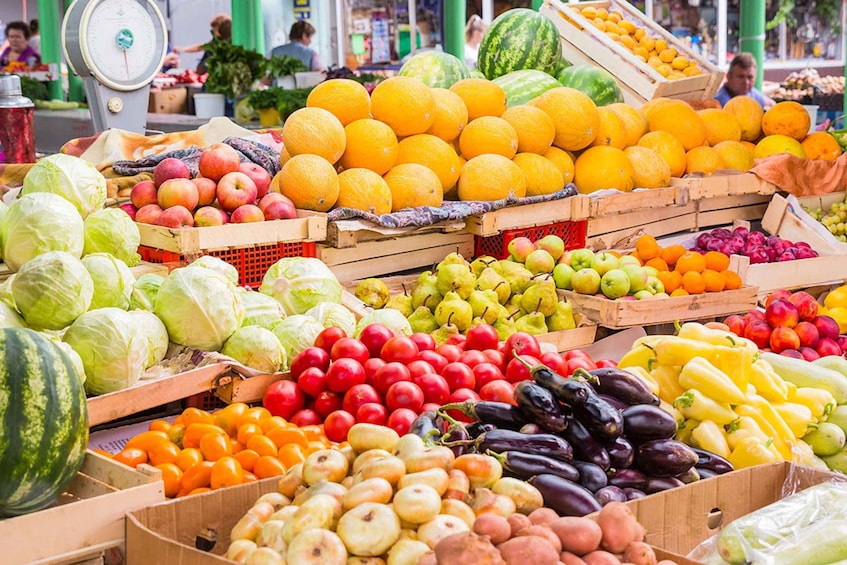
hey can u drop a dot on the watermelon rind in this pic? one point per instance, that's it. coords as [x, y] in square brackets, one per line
[45, 421]
[435, 69]
[522, 86]
[519, 39]
[597, 83]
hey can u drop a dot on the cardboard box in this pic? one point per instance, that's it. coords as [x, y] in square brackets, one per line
[168, 101]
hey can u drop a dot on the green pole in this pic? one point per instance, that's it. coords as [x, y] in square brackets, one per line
[844, 54]
[76, 90]
[258, 27]
[752, 34]
[454, 28]
[536, 4]
[51, 49]
[240, 23]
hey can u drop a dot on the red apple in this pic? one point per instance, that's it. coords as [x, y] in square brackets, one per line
[758, 332]
[783, 338]
[782, 313]
[809, 354]
[280, 211]
[170, 168]
[827, 327]
[781, 294]
[217, 160]
[148, 214]
[842, 342]
[807, 306]
[808, 334]
[210, 216]
[246, 214]
[178, 192]
[129, 208]
[261, 177]
[234, 190]
[143, 193]
[754, 315]
[270, 197]
[736, 324]
[827, 346]
[206, 190]
[176, 217]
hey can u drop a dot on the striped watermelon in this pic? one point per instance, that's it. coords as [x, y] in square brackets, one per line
[522, 86]
[45, 421]
[597, 83]
[518, 39]
[436, 69]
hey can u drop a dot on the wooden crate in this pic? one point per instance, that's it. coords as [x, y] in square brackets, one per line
[619, 231]
[618, 314]
[573, 208]
[88, 518]
[802, 273]
[345, 234]
[796, 225]
[582, 42]
[724, 210]
[642, 199]
[723, 183]
[374, 258]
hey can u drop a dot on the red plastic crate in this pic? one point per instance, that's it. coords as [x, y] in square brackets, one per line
[251, 262]
[497, 246]
[204, 401]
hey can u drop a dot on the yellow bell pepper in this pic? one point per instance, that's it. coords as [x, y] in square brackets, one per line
[699, 374]
[685, 429]
[767, 382]
[783, 430]
[645, 377]
[819, 401]
[711, 437]
[695, 404]
[667, 378]
[675, 414]
[736, 363]
[695, 330]
[744, 426]
[751, 452]
[674, 350]
[780, 442]
[796, 416]
[640, 355]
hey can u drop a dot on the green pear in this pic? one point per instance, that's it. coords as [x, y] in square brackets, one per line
[426, 293]
[424, 276]
[514, 311]
[489, 279]
[481, 263]
[402, 303]
[457, 278]
[444, 332]
[484, 304]
[372, 292]
[422, 320]
[452, 259]
[533, 324]
[454, 310]
[540, 297]
[505, 327]
[516, 275]
[562, 318]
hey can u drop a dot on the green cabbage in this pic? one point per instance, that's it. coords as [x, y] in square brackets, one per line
[155, 332]
[113, 349]
[112, 231]
[6, 292]
[9, 317]
[296, 333]
[260, 310]
[200, 308]
[144, 291]
[38, 223]
[255, 347]
[72, 178]
[52, 290]
[76, 360]
[218, 265]
[300, 283]
[330, 314]
[112, 281]
[388, 317]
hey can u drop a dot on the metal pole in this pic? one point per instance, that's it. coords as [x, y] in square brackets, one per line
[51, 50]
[721, 38]
[413, 27]
[258, 27]
[76, 89]
[752, 35]
[487, 11]
[648, 9]
[454, 28]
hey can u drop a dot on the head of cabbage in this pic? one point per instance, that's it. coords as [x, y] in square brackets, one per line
[155, 332]
[112, 231]
[301, 283]
[218, 265]
[74, 179]
[200, 308]
[144, 291]
[260, 309]
[296, 333]
[255, 347]
[9, 317]
[52, 290]
[6, 292]
[330, 314]
[112, 281]
[38, 223]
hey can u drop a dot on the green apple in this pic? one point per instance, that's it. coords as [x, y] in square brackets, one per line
[604, 262]
[614, 284]
[637, 277]
[562, 275]
[581, 259]
[643, 294]
[651, 271]
[629, 260]
[539, 261]
[586, 281]
[654, 285]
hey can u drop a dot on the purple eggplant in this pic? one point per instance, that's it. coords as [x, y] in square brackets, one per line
[706, 473]
[644, 422]
[610, 493]
[591, 476]
[628, 478]
[712, 462]
[500, 414]
[525, 465]
[690, 476]
[658, 484]
[570, 391]
[531, 429]
[459, 436]
[566, 497]
[476, 429]
[634, 493]
[622, 385]
[664, 458]
[538, 405]
[547, 445]
[426, 424]
[619, 404]
[621, 453]
[603, 420]
[585, 447]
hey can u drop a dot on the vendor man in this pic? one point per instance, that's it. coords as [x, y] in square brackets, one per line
[740, 80]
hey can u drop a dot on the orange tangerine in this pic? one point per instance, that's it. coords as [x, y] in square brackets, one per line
[693, 282]
[713, 281]
[690, 261]
[657, 263]
[679, 292]
[716, 261]
[672, 253]
[732, 280]
[670, 279]
[646, 247]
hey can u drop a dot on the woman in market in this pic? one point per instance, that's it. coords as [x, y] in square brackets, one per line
[17, 35]
[474, 31]
[740, 79]
[300, 37]
[223, 31]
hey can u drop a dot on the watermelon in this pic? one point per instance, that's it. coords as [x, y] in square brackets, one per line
[518, 39]
[522, 86]
[45, 421]
[597, 83]
[436, 69]
[476, 74]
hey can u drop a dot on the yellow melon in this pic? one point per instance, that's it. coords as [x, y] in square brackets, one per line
[575, 115]
[777, 144]
[404, 103]
[720, 125]
[703, 159]
[669, 147]
[451, 115]
[346, 99]
[284, 156]
[787, 118]
[491, 177]
[314, 131]
[542, 176]
[413, 185]
[749, 114]
[603, 167]
[534, 127]
[482, 97]
[680, 120]
[488, 134]
[612, 130]
[432, 152]
[563, 161]
[371, 145]
[735, 155]
[649, 169]
[634, 122]
[363, 189]
[310, 181]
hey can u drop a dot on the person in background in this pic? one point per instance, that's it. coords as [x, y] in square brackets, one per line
[17, 34]
[300, 37]
[474, 30]
[34, 36]
[740, 79]
[223, 31]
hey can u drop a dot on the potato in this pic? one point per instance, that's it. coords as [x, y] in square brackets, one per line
[620, 528]
[467, 547]
[666, 562]
[578, 535]
[569, 558]
[600, 557]
[639, 553]
[518, 522]
[528, 549]
[543, 532]
[542, 516]
[428, 559]
[495, 527]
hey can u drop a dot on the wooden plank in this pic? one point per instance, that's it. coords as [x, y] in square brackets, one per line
[626, 202]
[724, 183]
[340, 236]
[732, 201]
[617, 222]
[145, 268]
[240, 388]
[721, 217]
[529, 215]
[802, 273]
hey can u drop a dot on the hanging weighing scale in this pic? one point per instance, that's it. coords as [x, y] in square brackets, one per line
[117, 47]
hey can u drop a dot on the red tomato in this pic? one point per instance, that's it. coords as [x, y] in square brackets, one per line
[472, 357]
[327, 338]
[358, 395]
[371, 366]
[606, 363]
[496, 356]
[435, 388]
[312, 381]
[306, 418]
[374, 337]
[326, 403]
[389, 374]
[481, 337]
[437, 360]
[401, 420]
[568, 355]
[372, 413]
[485, 373]
[456, 339]
[283, 398]
[521, 343]
[399, 348]
[309, 357]
[431, 406]
[424, 341]
[349, 348]
[419, 367]
[344, 373]
[498, 391]
[555, 362]
[460, 395]
[517, 371]
[458, 375]
[449, 351]
[404, 395]
[580, 363]
[337, 424]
